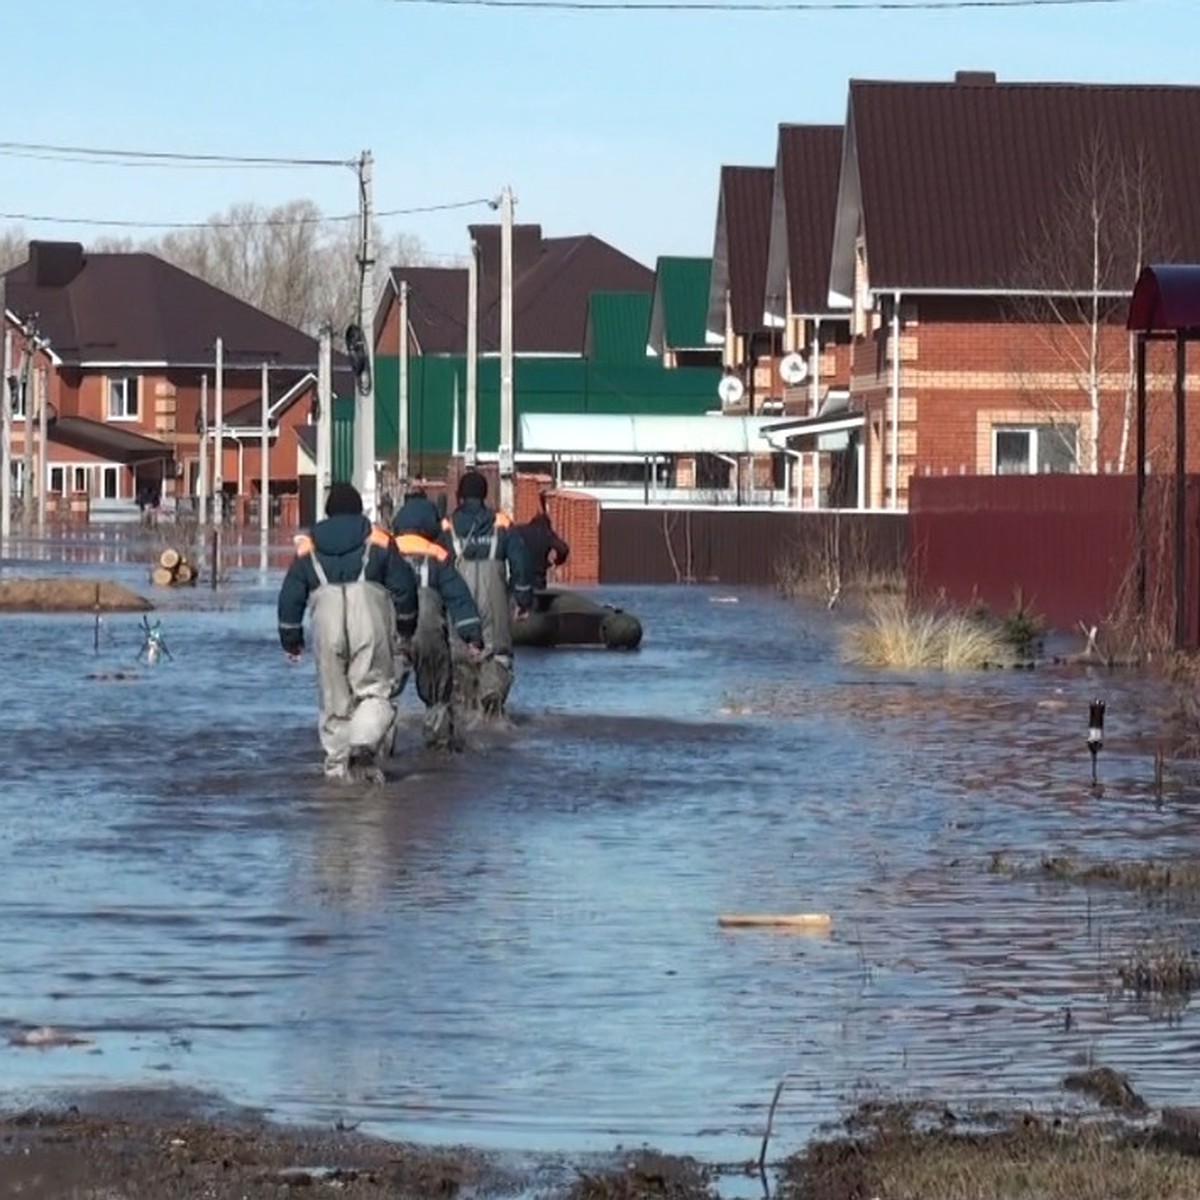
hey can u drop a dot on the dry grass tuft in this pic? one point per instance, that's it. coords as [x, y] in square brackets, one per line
[1032, 1159]
[898, 636]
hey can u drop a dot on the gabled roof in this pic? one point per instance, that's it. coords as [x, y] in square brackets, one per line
[437, 308]
[616, 327]
[967, 186]
[133, 308]
[804, 201]
[553, 279]
[285, 390]
[740, 246]
[680, 304]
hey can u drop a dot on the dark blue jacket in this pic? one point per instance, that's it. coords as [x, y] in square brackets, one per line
[339, 542]
[416, 530]
[474, 524]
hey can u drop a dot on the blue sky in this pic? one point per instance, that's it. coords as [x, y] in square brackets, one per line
[611, 123]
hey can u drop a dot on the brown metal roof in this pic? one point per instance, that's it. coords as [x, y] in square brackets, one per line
[963, 183]
[135, 307]
[437, 308]
[742, 243]
[810, 160]
[553, 279]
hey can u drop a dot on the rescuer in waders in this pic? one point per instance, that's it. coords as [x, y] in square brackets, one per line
[364, 600]
[444, 602]
[491, 558]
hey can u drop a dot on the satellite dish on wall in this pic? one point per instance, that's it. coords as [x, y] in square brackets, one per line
[731, 389]
[793, 369]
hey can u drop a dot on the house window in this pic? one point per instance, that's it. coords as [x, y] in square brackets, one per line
[15, 393]
[58, 478]
[123, 398]
[110, 482]
[1034, 449]
[79, 479]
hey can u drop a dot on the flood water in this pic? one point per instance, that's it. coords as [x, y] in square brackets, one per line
[518, 948]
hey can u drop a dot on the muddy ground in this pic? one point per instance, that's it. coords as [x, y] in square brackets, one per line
[892, 1151]
[74, 1155]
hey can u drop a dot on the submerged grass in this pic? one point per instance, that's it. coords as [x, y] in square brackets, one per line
[1031, 1158]
[896, 635]
[1178, 877]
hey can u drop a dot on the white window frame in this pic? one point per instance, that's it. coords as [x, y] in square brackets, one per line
[14, 394]
[1033, 432]
[79, 470]
[105, 469]
[120, 412]
[61, 489]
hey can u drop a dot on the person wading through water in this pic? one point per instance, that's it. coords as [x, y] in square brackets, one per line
[444, 602]
[364, 599]
[490, 557]
[544, 547]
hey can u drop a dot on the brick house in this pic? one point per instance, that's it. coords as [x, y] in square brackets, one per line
[986, 239]
[130, 342]
[814, 372]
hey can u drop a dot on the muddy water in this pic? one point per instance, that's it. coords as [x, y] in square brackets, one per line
[519, 948]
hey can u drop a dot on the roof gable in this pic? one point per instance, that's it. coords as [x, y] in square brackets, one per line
[680, 304]
[804, 201]
[977, 185]
[616, 327]
[740, 247]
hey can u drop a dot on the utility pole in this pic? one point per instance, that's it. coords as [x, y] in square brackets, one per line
[219, 439]
[471, 445]
[264, 473]
[5, 423]
[402, 415]
[202, 455]
[324, 419]
[27, 430]
[364, 424]
[506, 448]
[41, 390]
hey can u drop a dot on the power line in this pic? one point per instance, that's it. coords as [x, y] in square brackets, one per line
[266, 222]
[160, 157]
[783, 6]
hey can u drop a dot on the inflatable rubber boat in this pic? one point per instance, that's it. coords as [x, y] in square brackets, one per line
[568, 619]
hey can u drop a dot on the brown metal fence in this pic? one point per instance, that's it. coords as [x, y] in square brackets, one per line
[745, 546]
[1066, 544]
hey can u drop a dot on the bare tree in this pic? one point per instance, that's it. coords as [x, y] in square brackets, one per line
[1085, 257]
[288, 260]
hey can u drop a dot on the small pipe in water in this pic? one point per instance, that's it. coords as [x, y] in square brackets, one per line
[1095, 734]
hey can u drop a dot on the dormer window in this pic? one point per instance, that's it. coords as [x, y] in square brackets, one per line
[123, 398]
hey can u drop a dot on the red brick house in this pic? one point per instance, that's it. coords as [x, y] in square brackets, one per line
[986, 239]
[129, 341]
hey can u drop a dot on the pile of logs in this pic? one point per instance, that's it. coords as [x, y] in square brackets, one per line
[173, 569]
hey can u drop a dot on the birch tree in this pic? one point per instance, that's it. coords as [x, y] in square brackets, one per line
[1085, 257]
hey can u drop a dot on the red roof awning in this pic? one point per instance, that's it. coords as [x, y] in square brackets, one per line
[1166, 299]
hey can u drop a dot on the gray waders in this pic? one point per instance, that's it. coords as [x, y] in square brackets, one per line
[354, 631]
[431, 659]
[484, 685]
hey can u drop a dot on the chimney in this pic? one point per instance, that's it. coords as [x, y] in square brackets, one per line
[54, 264]
[975, 78]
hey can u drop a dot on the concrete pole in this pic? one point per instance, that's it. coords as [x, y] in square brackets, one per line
[364, 424]
[27, 433]
[202, 456]
[402, 415]
[264, 450]
[219, 439]
[324, 419]
[41, 391]
[470, 438]
[507, 445]
[5, 426]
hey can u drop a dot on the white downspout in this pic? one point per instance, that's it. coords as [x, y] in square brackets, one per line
[815, 374]
[894, 498]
